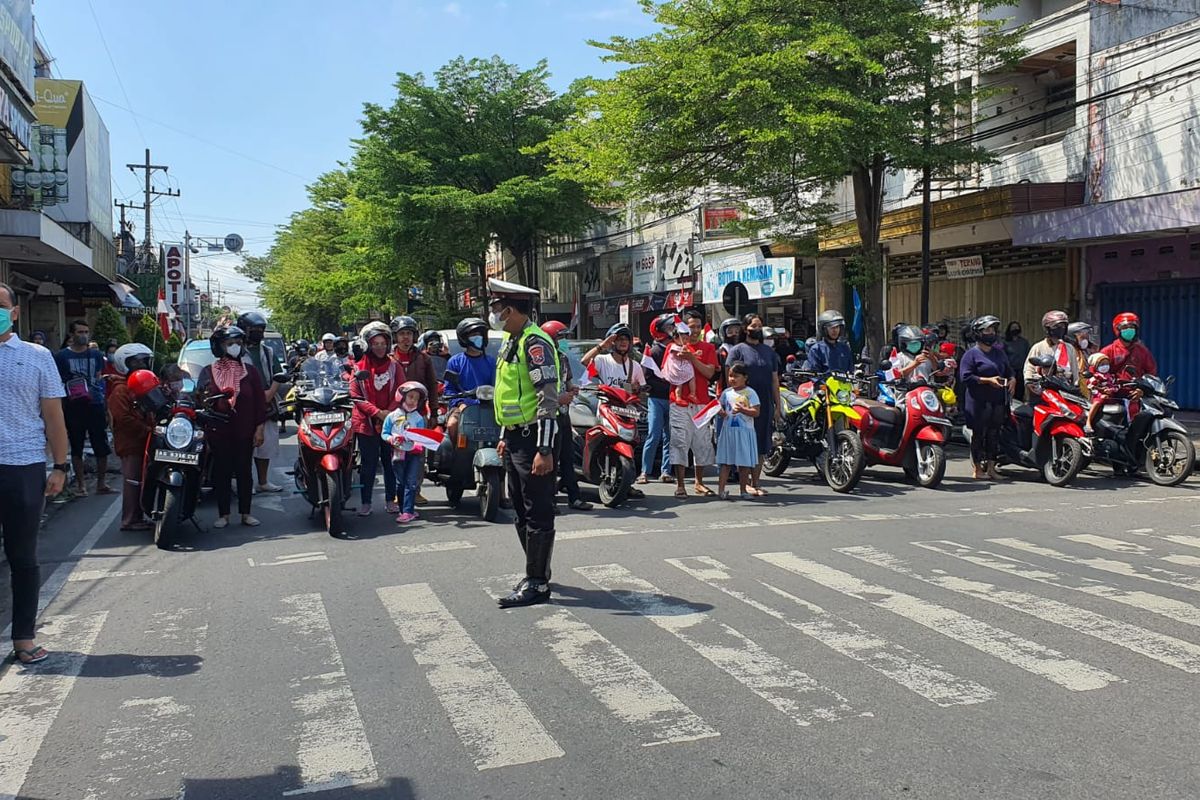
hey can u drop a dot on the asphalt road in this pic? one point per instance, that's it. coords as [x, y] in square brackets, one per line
[1002, 640]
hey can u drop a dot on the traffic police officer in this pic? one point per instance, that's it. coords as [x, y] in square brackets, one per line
[526, 407]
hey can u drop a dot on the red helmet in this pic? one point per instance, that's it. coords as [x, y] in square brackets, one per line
[662, 327]
[141, 382]
[554, 328]
[1124, 320]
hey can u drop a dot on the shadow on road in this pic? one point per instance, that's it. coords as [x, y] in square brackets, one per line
[286, 780]
[666, 605]
[119, 665]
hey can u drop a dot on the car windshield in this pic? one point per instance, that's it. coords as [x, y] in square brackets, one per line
[194, 357]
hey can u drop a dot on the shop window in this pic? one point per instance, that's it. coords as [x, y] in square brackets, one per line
[1137, 252]
[1110, 254]
[1166, 250]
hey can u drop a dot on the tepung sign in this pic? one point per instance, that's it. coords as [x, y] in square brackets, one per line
[965, 267]
[174, 277]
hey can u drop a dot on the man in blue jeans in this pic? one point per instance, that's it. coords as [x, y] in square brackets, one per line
[662, 328]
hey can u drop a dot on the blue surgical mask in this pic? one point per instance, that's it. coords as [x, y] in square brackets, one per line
[564, 346]
[5, 320]
[476, 342]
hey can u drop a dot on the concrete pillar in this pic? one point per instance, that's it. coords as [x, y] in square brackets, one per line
[831, 289]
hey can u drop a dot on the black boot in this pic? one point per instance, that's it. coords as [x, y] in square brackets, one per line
[535, 588]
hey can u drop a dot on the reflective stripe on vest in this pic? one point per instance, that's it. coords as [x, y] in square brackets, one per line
[516, 397]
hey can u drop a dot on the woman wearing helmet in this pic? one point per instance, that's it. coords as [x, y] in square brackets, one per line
[232, 443]
[912, 359]
[1128, 354]
[469, 369]
[989, 381]
[1082, 336]
[1055, 345]
[378, 398]
[415, 363]
[408, 458]
[130, 427]
[616, 367]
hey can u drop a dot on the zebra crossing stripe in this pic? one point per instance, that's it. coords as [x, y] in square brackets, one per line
[332, 751]
[31, 697]
[1183, 560]
[1164, 649]
[1174, 538]
[494, 724]
[910, 670]
[1155, 574]
[1106, 543]
[1030, 656]
[789, 690]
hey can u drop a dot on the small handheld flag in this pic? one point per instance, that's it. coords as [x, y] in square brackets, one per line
[706, 414]
[426, 437]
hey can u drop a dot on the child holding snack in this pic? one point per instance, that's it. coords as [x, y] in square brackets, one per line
[736, 444]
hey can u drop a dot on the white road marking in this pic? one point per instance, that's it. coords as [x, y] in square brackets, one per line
[494, 723]
[1105, 543]
[1187, 541]
[149, 737]
[31, 697]
[1183, 560]
[283, 561]
[1165, 649]
[1141, 530]
[101, 574]
[909, 669]
[433, 547]
[269, 501]
[1154, 574]
[1004, 645]
[332, 748]
[595, 533]
[789, 690]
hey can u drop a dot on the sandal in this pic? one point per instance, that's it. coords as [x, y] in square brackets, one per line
[643, 479]
[757, 492]
[30, 656]
[702, 491]
[105, 490]
[681, 493]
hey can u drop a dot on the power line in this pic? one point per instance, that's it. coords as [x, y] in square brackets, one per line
[117, 73]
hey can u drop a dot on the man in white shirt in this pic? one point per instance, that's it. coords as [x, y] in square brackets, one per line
[615, 367]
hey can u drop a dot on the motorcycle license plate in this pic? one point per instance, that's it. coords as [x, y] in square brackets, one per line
[325, 418]
[176, 457]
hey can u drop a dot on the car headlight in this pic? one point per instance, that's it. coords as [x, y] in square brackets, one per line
[339, 438]
[180, 432]
[486, 393]
[930, 401]
[844, 397]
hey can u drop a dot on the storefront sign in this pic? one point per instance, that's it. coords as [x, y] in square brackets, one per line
[623, 313]
[637, 305]
[965, 267]
[174, 279]
[16, 119]
[589, 280]
[16, 41]
[716, 220]
[647, 276]
[762, 277]
[596, 308]
[680, 300]
[675, 263]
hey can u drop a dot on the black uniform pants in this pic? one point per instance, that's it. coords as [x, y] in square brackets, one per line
[22, 497]
[533, 501]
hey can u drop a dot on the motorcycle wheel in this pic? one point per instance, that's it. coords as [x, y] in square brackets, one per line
[166, 529]
[334, 525]
[489, 495]
[776, 462]
[1181, 455]
[1062, 470]
[845, 465]
[616, 483]
[454, 496]
[931, 464]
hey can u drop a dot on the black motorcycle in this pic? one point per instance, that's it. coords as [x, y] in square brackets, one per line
[1135, 434]
[471, 462]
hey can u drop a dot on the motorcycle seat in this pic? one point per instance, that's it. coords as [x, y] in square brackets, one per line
[792, 400]
[888, 415]
[1023, 410]
[582, 415]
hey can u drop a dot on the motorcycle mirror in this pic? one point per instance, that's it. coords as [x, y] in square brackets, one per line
[1170, 379]
[280, 377]
[1045, 362]
[791, 359]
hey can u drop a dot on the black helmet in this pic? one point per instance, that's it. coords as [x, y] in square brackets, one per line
[471, 325]
[251, 319]
[829, 319]
[404, 323]
[620, 329]
[908, 334]
[428, 338]
[302, 346]
[221, 335]
[1076, 328]
[723, 328]
[986, 321]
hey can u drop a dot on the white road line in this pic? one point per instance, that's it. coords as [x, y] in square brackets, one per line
[789, 690]
[626, 689]
[1183, 560]
[433, 547]
[595, 533]
[31, 697]
[101, 574]
[148, 737]
[909, 669]
[1187, 541]
[1004, 645]
[332, 747]
[1154, 574]
[495, 725]
[1165, 649]
[1105, 543]
[283, 561]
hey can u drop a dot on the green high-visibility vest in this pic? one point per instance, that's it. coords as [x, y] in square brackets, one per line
[516, 397]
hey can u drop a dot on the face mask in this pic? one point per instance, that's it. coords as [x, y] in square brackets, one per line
[769, 342]
[254, 337]
[987, 338]
[1057, 332]
[1103, 368]
[233, 350]
[914, 347]
[1129, 334]
[754, 335]
[1083, 344]
[81, 341]
[341, 351]
[476, 342]
[496, 321]
[6, 320]
[564, 346]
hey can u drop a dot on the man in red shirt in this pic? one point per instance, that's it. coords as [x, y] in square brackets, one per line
[686, 402]
[1129, 356]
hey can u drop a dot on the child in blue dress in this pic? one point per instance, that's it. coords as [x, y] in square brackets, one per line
[736, 444]
[408, 456]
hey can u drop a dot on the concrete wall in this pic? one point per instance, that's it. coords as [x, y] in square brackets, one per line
[1169, 257]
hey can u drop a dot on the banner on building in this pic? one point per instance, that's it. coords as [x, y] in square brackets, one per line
[763, 278]
[716, 220]
[647, 274]
[174, 276]
[965, 267]
[675, 262]
[16, 41]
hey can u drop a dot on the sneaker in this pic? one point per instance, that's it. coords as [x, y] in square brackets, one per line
[392, 508]
[364, 510]
[406, 518]
[250, 522]
[221, 522]
[269, 488]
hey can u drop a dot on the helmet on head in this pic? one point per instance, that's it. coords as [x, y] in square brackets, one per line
[1096, 359]
[909, 334]
[983, 323]
[1077, 329]
[726, 324]
[554, 328]
[830, 319]
[302, 346]
[1125, 319]
[471, 326]
[328, 337]
[404, 323]
[620, 329]
[251, 319]
[373, 329]
[141, 382]
[412, 386]
[1054, 318]
[120, 358]
[220, 336]
[663, 326]
[428, 339]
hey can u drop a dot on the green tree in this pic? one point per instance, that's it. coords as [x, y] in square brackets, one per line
[255, 267]
[110, 326]
[780, 102]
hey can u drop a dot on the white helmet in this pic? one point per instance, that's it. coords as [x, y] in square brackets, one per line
[125, 352]
[373, 329]
[329, 337]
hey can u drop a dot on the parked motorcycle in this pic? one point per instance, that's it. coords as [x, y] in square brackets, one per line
[325, 465]
[470, 462]
[1138, 434]
[176, 455]
[605, 438]
[911, 434]
[819, 425]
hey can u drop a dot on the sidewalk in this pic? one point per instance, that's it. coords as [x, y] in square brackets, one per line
[1191, 421]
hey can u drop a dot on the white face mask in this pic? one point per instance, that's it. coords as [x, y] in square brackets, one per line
[495, 321]
[1103, 368]
[1083, 343]
[233, 350]
[769, 342]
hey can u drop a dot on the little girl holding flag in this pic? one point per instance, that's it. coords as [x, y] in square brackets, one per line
[404, 429]
[737, 445]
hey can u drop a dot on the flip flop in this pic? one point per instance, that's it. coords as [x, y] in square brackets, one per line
[681, 493]
[642, 479]
[31, 656]
[703, 491]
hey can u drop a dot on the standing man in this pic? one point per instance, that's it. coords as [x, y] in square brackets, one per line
[30, 416]
[526, 407]
[567, 391]
[658, 436]
[267, 363]
[686, 401]
[81, 367]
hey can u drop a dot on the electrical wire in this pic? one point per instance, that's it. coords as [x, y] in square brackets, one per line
[116, 73]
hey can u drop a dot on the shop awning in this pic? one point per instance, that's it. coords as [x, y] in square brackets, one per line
[1136, 217]
[570, 262]
[41, 249]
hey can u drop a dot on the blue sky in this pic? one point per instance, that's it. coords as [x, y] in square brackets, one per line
[249, 101]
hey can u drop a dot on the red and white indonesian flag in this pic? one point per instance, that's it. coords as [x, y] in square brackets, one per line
[164, 313]
[1064, 357]
[426, 437]
[706, 414]
[649, 365]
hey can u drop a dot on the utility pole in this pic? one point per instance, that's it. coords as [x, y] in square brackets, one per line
[150, 193]
[926, 205]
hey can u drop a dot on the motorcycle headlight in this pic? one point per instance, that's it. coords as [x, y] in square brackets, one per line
[339, 439]
[844, 396]
[314, 441]
[930, 401]
[180, 432]
[485, 393]
[627, 434]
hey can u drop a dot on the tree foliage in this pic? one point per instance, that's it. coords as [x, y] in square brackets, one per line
[110, 327]
[254, 267]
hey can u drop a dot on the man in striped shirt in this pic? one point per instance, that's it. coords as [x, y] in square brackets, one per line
[31, 414]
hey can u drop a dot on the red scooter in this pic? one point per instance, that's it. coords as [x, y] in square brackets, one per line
[912, 434]
[605, 439]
